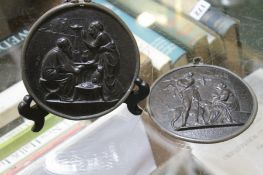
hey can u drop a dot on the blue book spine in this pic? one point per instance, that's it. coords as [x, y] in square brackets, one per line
[12, 41]
[157, 41]
[217, 21]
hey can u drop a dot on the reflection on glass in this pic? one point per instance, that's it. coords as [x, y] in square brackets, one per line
[146, 19]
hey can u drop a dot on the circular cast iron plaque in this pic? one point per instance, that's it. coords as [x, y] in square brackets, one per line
[79, 61]
[202, 103]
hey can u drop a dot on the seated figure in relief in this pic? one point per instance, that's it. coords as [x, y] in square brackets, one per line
[58, 71]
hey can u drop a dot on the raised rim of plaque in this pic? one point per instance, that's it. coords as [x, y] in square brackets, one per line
[48, 15]
[198, 63]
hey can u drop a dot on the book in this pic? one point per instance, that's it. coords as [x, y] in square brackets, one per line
[216, 45]
[225, 26]
[181, 6]
[13, 41]
[40, 145]
[9, 103]
[24, 136]
[10, 126]
[228, 29]
[13, 132]
[186, 7]
[10, 51]
[174, 26]
[161, 63]
[163, 53]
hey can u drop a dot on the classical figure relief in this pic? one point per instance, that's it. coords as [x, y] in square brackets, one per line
[189, 96]
[85, 71]
[107, 55]
[58, 71]
[224, 101]
[199, 108]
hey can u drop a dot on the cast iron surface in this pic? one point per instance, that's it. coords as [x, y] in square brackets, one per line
[202, 103]
[80, 61]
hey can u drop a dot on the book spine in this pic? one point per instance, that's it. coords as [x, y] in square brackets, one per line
[228, 29]
[14, 132]
[182, 6]
[178, 28]
[13, 41]
[9, 103]
[210, 16]
[31, 159]
[10, 49]
[9, 127]
[218, 21]
[161, 51]
[194, 10]
[22, 138]
[13, 163]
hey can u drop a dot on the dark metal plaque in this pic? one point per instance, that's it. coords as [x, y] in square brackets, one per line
[79, 61]
[202, 103]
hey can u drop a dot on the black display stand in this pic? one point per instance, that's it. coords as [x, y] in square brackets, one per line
[38, 114]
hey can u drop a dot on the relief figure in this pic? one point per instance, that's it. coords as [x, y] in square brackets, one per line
[58, 71]
[190, 97]
[86, 73]
[212, 106]
[107, 57]
[223, 102]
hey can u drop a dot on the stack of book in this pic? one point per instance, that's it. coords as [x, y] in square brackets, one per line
[162, 52]
[193, 25]
[21, 146]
